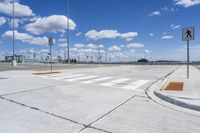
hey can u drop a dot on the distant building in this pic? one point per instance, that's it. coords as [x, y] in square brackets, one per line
[19, 58]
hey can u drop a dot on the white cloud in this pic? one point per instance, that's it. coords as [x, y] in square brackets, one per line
[167, 37]
[20, 10]
[165, 8]
[2, 21]
[175, 26]
[54, 24]
[129, 36]
[114, 48]
[100, 46]
[91, 46]
[62, 40]
[135, 45]
[147, 51]
[122, 46]
[187, 3]
[151, 34]
[63, 45]
[156, 13]
[78, 45]
[17, 22]
[78, 34]
[109, 34]
[26, 38]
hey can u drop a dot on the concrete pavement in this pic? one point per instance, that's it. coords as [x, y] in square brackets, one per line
[88, 100]
[190, 96]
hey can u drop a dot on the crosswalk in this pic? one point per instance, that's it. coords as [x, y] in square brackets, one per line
[122, 83]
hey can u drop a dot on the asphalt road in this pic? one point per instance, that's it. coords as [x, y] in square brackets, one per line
[88, 100]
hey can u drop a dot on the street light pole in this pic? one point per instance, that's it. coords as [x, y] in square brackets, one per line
[68, 41]
[14, 63]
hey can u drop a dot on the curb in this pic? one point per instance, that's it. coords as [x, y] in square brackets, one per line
[176, 101]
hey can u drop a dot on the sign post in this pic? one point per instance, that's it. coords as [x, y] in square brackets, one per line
[50, 44]
[187, 35]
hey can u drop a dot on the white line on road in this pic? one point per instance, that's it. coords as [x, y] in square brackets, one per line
[80, 78]
[113, 82]
[135, 85]
[68, 76]
[96, 80]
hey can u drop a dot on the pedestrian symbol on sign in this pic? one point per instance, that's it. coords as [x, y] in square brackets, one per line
[188, 34]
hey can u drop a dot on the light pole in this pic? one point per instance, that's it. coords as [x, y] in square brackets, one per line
[68, 41]
[14, 62]
[50, 53]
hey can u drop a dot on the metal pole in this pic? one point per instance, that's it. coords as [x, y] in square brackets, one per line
[99, 55]
[13, 61]
[188, 60]
[50, 59]
[68, 41]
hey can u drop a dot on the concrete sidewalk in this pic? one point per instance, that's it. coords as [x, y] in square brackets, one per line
[190, 96]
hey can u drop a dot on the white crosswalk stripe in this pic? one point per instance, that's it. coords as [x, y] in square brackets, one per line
[54, 76]
[135, 85]
[113, 82]
[96, 80]
[68, 76]
[80, 78]
[102, 81]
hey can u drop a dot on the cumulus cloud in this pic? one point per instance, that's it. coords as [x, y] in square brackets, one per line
[26, 38]
[135, 45]
[20, 10]
[187, 3]
[156, 13]
[91, 46]
[79, 45]
[114, 48]
[54, 24]
[17, 22]
[109, 34]
[167, 37]
[2, 21]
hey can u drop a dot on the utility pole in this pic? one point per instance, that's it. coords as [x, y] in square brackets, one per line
[68, 41]
[99, 54]
[14, 62]
[106, 56]
[50, 51]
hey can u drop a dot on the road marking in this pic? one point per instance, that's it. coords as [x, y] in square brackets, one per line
[113, 82]
[81, 78]
[61, 75]
[68, 76]
[135, 85]
[96, 80]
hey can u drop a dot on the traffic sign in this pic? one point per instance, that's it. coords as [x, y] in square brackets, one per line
[188, 33]
[50, 41]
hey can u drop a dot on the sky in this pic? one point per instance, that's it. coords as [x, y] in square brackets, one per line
[122, 30]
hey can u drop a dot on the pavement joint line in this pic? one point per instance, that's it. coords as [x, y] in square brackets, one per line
[24, 91]
[42, 111]
[112, 110]
[52, 114]
[95, 129]
[162, 78]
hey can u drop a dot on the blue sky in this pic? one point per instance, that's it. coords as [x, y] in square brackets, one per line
[124, 29]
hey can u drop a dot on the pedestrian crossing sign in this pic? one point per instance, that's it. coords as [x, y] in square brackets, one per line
[188, 34]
